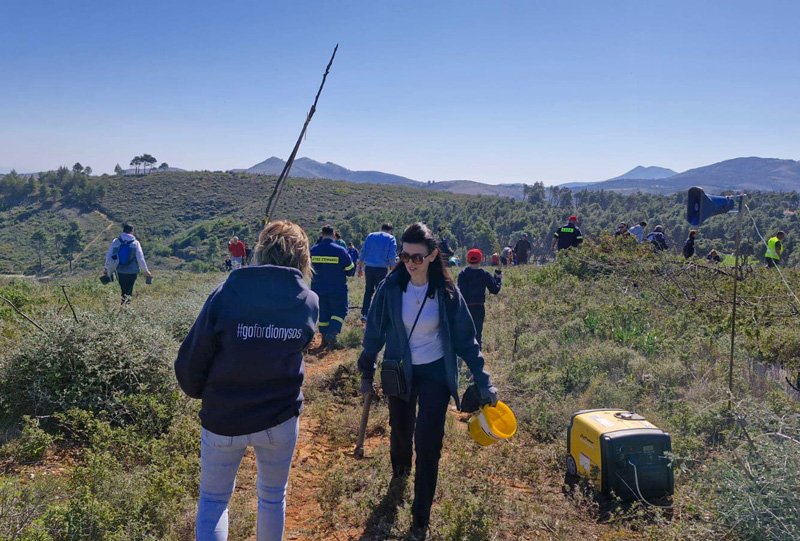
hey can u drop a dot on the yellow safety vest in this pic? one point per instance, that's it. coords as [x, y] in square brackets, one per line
[771, 252]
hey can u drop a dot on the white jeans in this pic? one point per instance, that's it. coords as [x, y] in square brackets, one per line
[236, 262]
[220, 457]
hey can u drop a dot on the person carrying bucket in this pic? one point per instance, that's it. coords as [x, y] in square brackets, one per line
[422, 319]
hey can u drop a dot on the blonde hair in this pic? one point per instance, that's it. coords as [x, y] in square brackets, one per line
[285, 244]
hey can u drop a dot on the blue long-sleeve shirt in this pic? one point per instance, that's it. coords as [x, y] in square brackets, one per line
[379, 250]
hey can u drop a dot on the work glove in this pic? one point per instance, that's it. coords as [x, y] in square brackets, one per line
[471, 401]
[366, 386]
[488, 397]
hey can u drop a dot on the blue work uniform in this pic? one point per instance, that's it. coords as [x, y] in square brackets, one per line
[332, 266]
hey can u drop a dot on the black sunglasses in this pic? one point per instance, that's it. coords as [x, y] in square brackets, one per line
[416, 259]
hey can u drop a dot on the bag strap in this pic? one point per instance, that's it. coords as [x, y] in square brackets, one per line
[414, 326]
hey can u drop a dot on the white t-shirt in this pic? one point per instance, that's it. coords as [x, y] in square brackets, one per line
[426, 342]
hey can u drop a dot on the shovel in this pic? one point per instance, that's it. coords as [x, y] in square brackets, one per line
[362, 429]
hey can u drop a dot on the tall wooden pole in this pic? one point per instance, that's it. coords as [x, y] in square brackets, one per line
[276, 191]
[735, 285]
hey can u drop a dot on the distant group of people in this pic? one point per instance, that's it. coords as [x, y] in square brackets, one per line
[565, 237]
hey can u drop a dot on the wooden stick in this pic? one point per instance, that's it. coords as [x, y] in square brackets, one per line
[17, 310]
[64, 290]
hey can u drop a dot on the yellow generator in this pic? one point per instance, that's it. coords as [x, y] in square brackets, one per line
[621, 452]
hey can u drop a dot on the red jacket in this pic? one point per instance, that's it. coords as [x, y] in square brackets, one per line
[237, 249]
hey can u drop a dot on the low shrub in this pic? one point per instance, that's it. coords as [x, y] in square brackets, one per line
[33, 443]
[93, 366]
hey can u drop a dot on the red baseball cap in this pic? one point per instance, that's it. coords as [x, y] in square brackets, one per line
[474, 256]
[573, 218]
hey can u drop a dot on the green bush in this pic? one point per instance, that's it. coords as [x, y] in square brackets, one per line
[33, 442]
[352, 337]
[755, 487]
[92, 365]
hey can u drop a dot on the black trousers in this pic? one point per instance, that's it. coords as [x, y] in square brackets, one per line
[425, 429]
[126, 282]
[478, 312]
[373, 277]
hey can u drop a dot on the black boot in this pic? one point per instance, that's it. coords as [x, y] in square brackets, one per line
[418, 531]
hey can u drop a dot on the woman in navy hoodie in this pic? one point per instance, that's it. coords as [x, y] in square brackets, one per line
[422, 319]
[243, 357]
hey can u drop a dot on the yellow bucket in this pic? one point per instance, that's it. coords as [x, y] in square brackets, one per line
[492, 424]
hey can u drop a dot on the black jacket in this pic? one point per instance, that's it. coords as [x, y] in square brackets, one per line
[473, 284]
[658, 240]
[385, 327]
[688, 247]
[243, 355]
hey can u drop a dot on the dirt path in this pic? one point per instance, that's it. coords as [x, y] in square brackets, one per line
[96, 238]
[312, 456]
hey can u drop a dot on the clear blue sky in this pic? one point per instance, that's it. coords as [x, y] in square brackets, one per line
[486, 90]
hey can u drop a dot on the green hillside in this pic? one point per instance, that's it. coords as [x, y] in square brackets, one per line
[185, 218]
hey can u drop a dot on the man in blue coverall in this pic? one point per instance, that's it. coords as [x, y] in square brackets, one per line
[332, 266]
[375, 261]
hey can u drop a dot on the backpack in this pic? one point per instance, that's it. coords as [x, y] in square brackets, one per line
[126, 253]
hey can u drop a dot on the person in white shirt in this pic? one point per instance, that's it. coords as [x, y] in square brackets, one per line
[420, 316]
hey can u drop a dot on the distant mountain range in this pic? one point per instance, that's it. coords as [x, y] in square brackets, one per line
[308, 168]
[765, 174]
[747, 174]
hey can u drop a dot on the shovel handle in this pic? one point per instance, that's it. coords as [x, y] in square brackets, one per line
[362, 428]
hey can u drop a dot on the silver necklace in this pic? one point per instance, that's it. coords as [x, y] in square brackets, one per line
[418, 296]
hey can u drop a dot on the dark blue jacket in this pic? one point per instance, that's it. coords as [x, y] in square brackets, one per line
[243, 355]
[332, 266]
[385, 327]
[353, 253]
[473, 284]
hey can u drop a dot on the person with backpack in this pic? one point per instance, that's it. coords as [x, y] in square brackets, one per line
[473, 283]
[420, 317]
[125, 257]
[657, 239]
[243, 358]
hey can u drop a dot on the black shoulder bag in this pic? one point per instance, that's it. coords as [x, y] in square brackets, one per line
[393, 379]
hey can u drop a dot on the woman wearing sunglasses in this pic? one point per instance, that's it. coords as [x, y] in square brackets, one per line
[422, 319]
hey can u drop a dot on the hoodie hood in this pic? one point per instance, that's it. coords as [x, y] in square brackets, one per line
[282, 286]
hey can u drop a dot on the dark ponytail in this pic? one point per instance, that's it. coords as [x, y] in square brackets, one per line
[438, 275]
